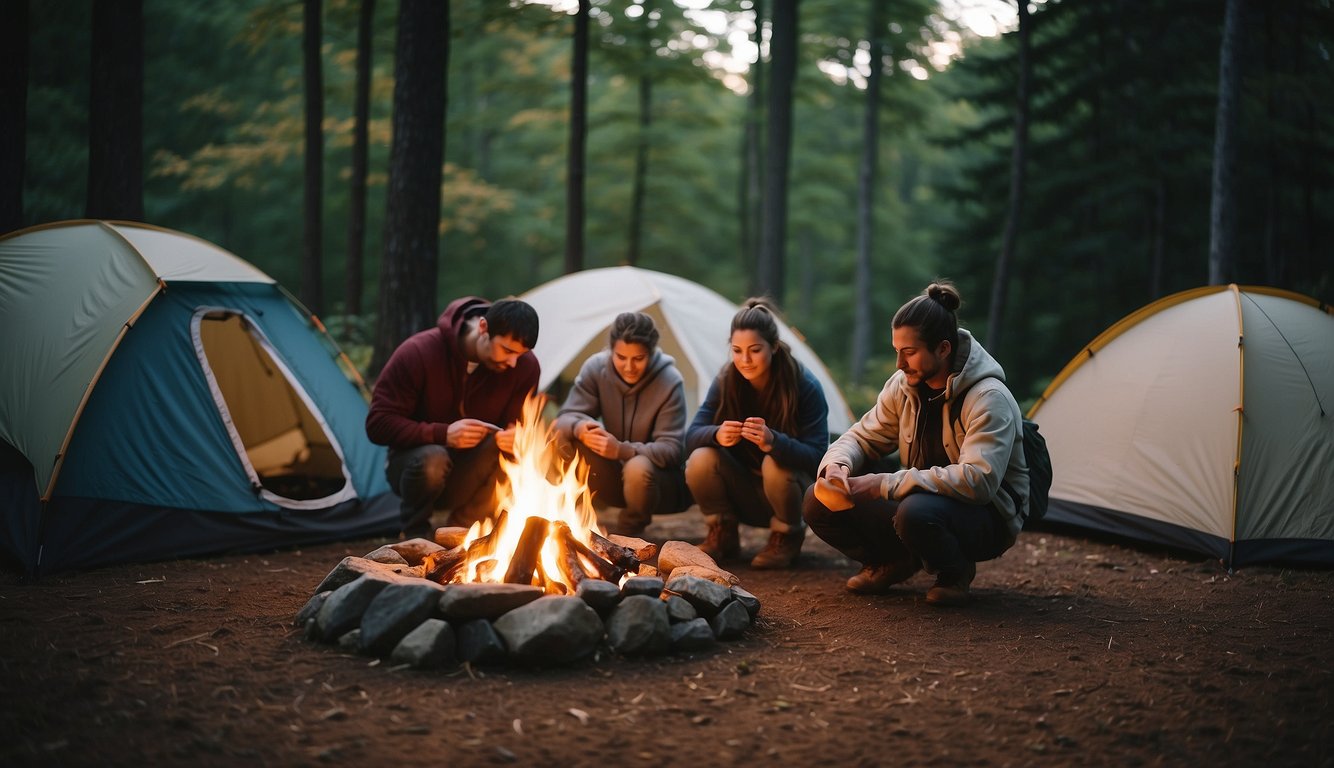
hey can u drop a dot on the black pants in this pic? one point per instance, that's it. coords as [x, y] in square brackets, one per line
[431, 477]
[945, 534]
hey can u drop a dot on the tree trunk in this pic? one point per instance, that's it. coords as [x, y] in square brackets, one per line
[356, 213]
[641, 165]
[115, 112]
[867, 177]
[1018, 162]
[1222, 203]
[752, 149]
[409, 267]
[574, 176]
[312, 253]
[13, 111]
[773, 234]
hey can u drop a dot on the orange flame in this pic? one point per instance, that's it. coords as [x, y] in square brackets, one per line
[540, 484]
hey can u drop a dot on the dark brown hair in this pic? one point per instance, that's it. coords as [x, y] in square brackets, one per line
[933, 315]
[778, 402]
[634, 328]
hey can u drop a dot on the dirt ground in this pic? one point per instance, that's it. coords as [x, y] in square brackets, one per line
[1073, 652]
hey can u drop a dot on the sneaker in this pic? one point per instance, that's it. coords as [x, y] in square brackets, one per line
[782, 550]
[877, 579]
[952, 588]
[722, 542]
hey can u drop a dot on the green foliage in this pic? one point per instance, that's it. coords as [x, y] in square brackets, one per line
[1120, 161]
[1118, 175]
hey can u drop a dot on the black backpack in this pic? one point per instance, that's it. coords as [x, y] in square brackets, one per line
[1039, 466]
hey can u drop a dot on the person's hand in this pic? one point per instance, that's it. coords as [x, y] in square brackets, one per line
[832, 488]
[729, 433]
[467, 433]
[756, 432]
[864, 488]
[505, 440]
[601, 442]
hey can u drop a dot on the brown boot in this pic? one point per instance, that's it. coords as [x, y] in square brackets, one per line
[782, 550]
[723, 541]
[877, 579]
[952, 587]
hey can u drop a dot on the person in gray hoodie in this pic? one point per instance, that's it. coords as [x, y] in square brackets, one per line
[963, 486]
[626, 418]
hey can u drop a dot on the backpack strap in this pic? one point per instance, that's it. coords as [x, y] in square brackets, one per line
[955, 408]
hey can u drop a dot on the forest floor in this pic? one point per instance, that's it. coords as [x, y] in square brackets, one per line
[1072, 652]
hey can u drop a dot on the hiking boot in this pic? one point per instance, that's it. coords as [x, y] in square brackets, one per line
[782, 550]
[722, 542]
[877, 579]
[951, 587]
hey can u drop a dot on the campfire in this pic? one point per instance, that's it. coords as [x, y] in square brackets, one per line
[538, 584]
[546, 531]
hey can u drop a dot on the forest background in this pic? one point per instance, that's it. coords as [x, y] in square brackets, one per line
[1090, 157]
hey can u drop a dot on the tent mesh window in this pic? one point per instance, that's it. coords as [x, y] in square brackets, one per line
[285, 443]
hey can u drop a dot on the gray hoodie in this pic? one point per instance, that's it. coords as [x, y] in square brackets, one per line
[984, 442]
[648, 417]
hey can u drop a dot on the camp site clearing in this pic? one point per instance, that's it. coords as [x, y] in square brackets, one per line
[1074, 652]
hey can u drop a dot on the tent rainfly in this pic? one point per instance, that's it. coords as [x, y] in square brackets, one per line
[577, 311]
[163, 398]
[1203, 421]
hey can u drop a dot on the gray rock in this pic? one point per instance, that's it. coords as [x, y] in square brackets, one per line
[428, 646]
[692, 635]
[350, 641]
[680, 609]
[751, 602]
[639, 626]
[342, 610]
[415, 550]
[311, 609]
[556, 629]
[707, 597]
[730, 622]
[478, 642]
[642, 585]
[352, 568]
[397, 610]
[386, 555]
[601, 595]
[485, 601]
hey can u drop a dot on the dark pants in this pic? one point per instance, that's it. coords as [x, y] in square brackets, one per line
[431, 477]
[945, 534]
[727, 491]
[638, 485]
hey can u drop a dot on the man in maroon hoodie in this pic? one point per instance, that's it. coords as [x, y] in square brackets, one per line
[446, 404]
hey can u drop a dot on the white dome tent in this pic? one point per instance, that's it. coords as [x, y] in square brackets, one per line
[1203, 421]
[576, 311]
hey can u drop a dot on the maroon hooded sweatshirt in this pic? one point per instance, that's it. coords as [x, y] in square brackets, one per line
[426, 385]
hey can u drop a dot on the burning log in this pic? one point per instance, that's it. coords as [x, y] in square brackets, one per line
[570, 566]
[614, 553]
[527, 552]
[443, 565]
[483, 545]
[607, 570]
